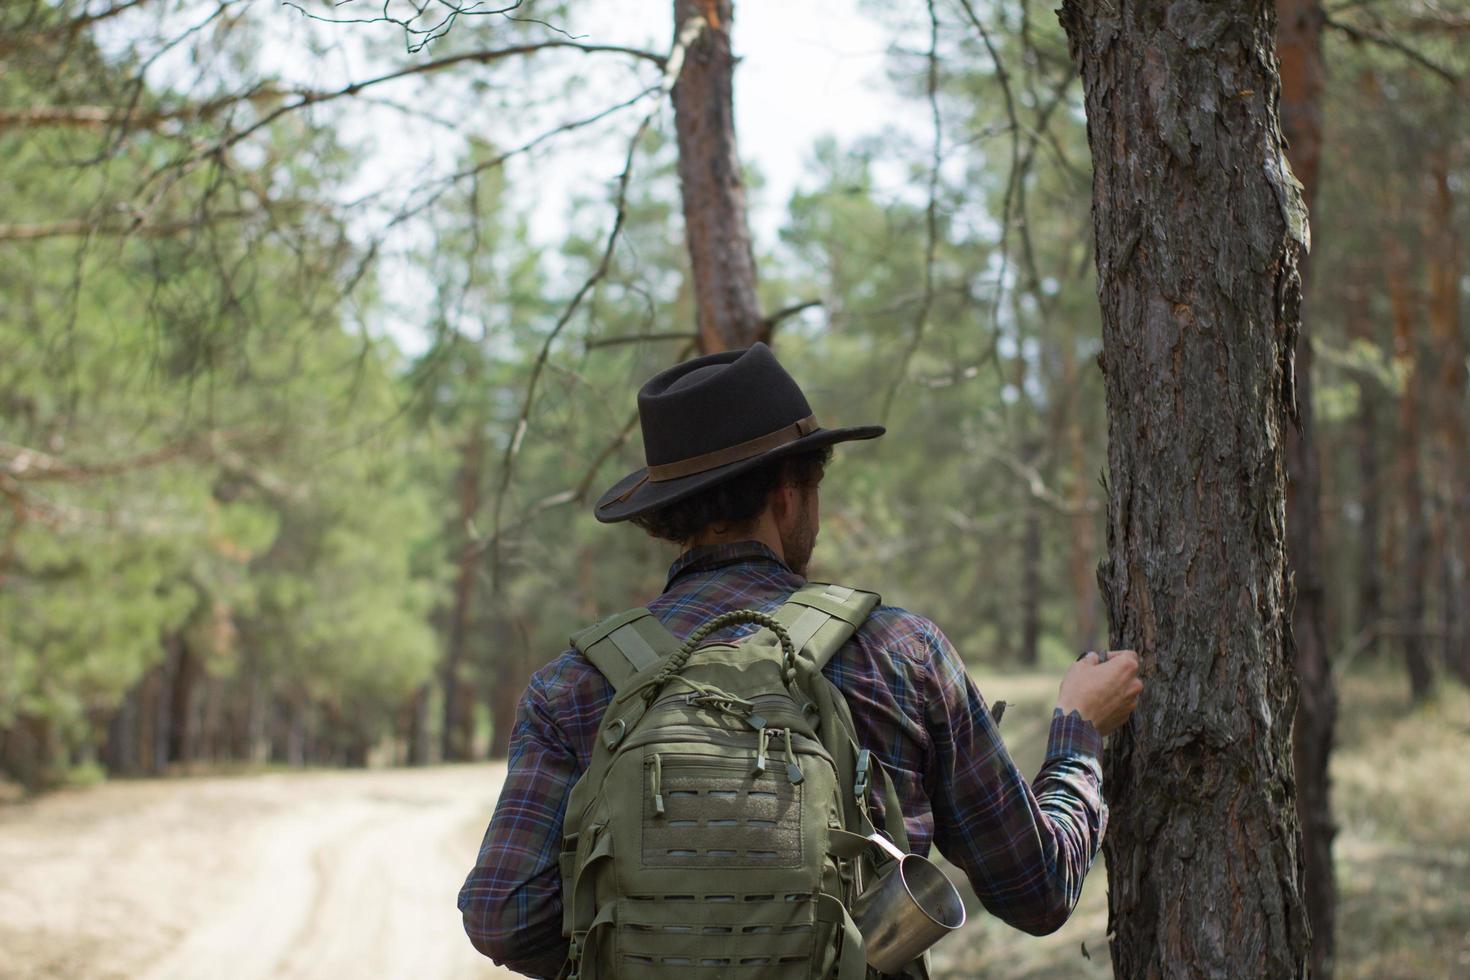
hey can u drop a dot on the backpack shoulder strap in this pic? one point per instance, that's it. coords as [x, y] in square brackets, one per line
[622, 645]
[821, 617]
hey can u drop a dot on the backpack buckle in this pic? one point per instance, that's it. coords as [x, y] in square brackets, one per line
[860, 782]
[614, 733]
[574, 960]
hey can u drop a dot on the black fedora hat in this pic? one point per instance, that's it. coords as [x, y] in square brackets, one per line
[713, 418]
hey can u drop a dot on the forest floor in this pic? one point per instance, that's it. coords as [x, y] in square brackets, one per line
[316, 874]
[327, 874]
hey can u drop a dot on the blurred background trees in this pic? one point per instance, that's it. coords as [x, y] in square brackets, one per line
[296, 450]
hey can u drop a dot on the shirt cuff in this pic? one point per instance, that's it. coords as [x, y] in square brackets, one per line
[1071, 737]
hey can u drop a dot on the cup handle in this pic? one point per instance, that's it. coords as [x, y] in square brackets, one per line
[888, 847]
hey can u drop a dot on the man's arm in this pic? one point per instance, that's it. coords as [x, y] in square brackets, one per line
[511, 901]
[1025, 847]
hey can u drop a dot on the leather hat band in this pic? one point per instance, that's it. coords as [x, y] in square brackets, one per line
[733, 454]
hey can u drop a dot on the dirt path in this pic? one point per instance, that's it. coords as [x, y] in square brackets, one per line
[325, 874]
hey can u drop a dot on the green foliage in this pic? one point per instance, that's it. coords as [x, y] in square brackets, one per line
[202, 451]
[193, 447]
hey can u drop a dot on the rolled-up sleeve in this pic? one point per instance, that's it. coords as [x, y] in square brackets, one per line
[511, 900]
[1026, 847]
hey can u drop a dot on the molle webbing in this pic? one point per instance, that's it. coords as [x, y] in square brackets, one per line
[625, 644]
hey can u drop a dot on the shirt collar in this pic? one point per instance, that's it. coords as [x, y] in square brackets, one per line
[703, 557]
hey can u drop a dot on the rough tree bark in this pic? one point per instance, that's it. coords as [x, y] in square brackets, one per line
[1199, 224]
[1299, 47]
[715, 229]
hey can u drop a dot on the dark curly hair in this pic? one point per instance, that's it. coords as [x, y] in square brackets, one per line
[734, 503]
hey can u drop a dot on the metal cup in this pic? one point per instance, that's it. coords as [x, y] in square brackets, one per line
[910, 909]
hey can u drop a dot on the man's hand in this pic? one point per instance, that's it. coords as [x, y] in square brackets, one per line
[1103, 690]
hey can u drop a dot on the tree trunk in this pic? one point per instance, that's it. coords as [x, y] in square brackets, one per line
[120, 754]
[163, 704]
[1414, 540]
[1031, 573]
[418, 727]
[1200, 312]
[28, 751]
[459, 694]
[1299, 46]
[1452, 442]
[512, 675]
[727, 310]
[1371, 407]
[184, 705]
[1031, 587]
[503, 699]
[257, 713]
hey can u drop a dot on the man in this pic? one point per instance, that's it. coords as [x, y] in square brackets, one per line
[735, 458]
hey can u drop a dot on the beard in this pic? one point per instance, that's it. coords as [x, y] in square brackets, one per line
[799, 540]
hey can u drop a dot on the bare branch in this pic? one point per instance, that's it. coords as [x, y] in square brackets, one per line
[672, 68]
[1037, 488]
[305, 97]
[20, 463]
[637, 338]
[1368, 35]
[131, 117]
[122, 225]
[416, 206]
[931, 218]
[770, 320]
[416, 37]
[70, 28]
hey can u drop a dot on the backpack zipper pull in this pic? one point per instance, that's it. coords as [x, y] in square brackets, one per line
[793, 771]
[760, 751]
[658, 779]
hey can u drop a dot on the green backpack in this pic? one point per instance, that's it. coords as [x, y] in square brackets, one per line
[720, 828]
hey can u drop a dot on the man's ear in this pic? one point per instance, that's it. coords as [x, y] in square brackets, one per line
[782, 500]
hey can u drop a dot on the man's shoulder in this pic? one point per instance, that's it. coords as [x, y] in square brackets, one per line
[895, 629]
[569, 678]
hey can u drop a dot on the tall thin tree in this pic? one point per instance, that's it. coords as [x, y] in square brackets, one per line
[715, 226]
[1303, 76]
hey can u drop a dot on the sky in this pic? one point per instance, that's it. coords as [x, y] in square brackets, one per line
[807, 70]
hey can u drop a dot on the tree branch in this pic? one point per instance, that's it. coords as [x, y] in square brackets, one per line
[770, 320]
[637, 338]
[17, 38]
[309, 98]
[931, 218]
[1366, 35]
[672, 68]
[121, 226]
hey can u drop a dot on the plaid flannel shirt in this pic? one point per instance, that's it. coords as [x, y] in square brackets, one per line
[1025, 847]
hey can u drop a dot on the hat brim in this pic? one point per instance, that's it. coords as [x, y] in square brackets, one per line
[635, 494]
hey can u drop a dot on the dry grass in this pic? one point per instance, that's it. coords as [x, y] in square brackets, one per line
[1401, 780]
[1401, 784]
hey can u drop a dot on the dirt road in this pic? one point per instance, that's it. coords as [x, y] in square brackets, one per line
[328, 874]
